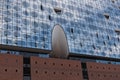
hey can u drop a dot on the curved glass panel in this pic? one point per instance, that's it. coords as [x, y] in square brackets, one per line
[92, 26]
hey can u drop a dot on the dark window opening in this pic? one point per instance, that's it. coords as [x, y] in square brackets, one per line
[35, 62]
[54, 73]
[110, 75]
[53, 63]
[61, 64]
[16, 70]
[94, 47]
[118, 39]
[36, 72]
[45, 63]
[108, 37]
[104, 43]
[98, 75]
[69, 65]
[57, 10]
[41, 7]
[50, 18]
[117, 31]
[104, 75]
[106, 16]
[84, 72]
[76, 65]
[62, 73]
[115, 44]
[110, 49]
[81, 44]
[35, 44]
[27, 60]
[26, 71]
[45, 72]
[16, 61]
[113, 1]
[71, 30]
[90, 66]
[97, 67]
[97, 35]
[5, 70]
[103, 68]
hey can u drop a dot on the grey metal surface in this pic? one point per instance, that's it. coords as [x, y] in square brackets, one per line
[59, 43]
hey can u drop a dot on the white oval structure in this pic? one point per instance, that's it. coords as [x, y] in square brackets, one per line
[59, 43]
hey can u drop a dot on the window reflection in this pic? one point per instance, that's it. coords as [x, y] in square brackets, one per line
[7, 19]
[25, 4]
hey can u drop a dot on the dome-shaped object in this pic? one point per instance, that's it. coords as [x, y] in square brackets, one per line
[59, 43]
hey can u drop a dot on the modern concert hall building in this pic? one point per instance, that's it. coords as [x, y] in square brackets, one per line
[91, 28]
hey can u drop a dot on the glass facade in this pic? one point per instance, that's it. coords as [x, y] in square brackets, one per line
[90, 25]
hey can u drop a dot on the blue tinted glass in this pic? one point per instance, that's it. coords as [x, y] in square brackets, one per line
[6, 33]
[16, 15]
[69, 14]
[17, 28]
[7, 19]
[35, 24]
[7, 12]
[92, 26]
[25, 21]
[9, 1]
[7, 26]
[100, 15]
[44, 32]
[17, 8]
[7, 6]
[44, 25]
[34, 14]
[17, 34]
[88, 19]
[34, 6]
[26, 13]
[25, 4]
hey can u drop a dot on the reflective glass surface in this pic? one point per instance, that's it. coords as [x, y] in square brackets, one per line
[90, 25]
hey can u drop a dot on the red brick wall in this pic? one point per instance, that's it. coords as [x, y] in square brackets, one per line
[55, 69]
[99, 71]
[11, 67]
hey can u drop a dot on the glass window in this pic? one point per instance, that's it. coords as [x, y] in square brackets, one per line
[7, 12]
[100, 15]
[93, 27]
[50, 17]
[89, 19]
[7, 19]
[25, 22]
[17, 8]
[34, 14]
[25, 4]
[16, 15]
[41, 7]
[68, 14]
[44, 25]
[26, 13]
[35, 24]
